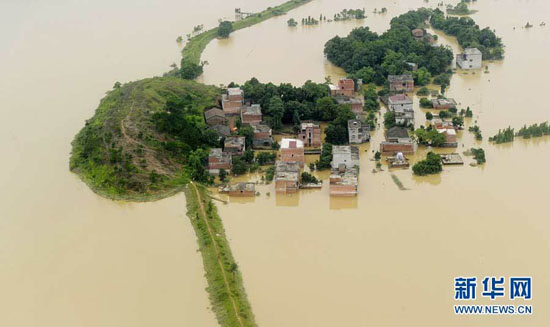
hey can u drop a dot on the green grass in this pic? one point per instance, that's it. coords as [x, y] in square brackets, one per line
[195, 46]
[220, 298]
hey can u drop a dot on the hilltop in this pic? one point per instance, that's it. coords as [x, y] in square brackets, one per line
[133, 147]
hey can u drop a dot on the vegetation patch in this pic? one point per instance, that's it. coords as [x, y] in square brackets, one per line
[225, 284]
[431, 165]
[146, 140]
[398, 182]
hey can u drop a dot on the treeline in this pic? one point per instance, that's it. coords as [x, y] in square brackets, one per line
[469, 35]
[372, 57]
[507, 135]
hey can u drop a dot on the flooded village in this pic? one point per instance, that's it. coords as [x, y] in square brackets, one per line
[322, 235]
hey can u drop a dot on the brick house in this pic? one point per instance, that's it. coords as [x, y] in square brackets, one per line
[344, 182]
[346, 156]
[215, 116]
[292, 151]
[355, 103]
[401, 83]
[232, 101]
[217, 159]
[287, 177]
[397, 140]
[346, 86]
[251, 115]
[262, 136]
[239, 189]
[235, 145]
[310, 134]
[443, 103]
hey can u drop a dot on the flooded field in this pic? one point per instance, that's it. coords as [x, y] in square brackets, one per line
[387, 257]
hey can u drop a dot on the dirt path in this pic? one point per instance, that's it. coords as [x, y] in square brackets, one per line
[226, 282]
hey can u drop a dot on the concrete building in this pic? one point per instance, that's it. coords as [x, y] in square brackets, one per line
[358, 131]
[287, 177]
[215, 116]
[235, 145]
[292, 150]
[401, 83]
[344, 182]
[251, 115]
[397, 140]
[346, 86]
[217, 159]
[355, 104]
[239, 189]
[344, 156]
[232, 101]
[470, 59]
[262, 136]
[402, 106]
[310, 134]
[443, 103]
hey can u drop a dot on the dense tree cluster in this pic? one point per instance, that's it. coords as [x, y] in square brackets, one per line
[373, 57]
[469, 35]
[430, 165]
[288, 104]
[225, 29]
[429, 136]
[479, 155]
[326, 157]
[535, 130]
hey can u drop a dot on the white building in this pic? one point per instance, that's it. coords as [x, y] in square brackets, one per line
[358, 131]
[402, 106]
[470, 59]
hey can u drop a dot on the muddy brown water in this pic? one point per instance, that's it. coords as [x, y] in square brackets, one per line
[384, 258]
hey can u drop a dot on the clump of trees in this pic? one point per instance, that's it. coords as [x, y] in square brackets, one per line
[189, 70]
[503, 136]
[309, 21]
[373, 57]
[429, 136]
[326, 157]
[287, 104]
[431, 165]
[466, 113]
[371, 106]
[469, 35]
[426, 103]
[479, 155]
[423, 91]
[535, 130]
[308, 178]
[348, 14]
[224, 29]
[477, 131]
[461, 8]
[292, 22]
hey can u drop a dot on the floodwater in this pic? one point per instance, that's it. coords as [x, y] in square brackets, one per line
[69, 257]
[388, 257]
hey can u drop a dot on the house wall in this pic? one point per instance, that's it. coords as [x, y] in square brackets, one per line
[311, 137]
[470, 62]
[251, 119]
[284, 186]
[402, 86]
[241, 193]
[216, 120]
[293, 155]
[391, 148]
[343, 190]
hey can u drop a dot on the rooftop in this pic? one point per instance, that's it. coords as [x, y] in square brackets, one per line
[472, 51]
[287, 171]
[305, 125]
[354, 123]
[234, 91]
[291, 144]
[399, 98]
[400, 78]
[235, 140]
[399, 132]
[254, 109]
[221, 129]
[213, 112]
[261, 129]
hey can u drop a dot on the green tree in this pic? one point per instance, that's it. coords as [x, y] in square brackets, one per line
[224, 29]
[222, 175]
[276, 110]
[189, 70]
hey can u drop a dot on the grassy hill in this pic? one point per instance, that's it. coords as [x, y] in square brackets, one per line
[125, 152]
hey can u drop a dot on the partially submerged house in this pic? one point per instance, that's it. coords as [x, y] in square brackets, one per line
[401, 83]
[346, 86]
[358, 131]
[235, 145]
[356, 104]
[217, 159]
[292, 150]
[310, 134]
[402, 106]
[287, 177]
[344, 182]
[443, 103]
[239, 189]
[215, 116]
[344, 156]
[471, 58]
[251, 115]
[232, 101]
[397, 140]
[262, 136]
[449, 131]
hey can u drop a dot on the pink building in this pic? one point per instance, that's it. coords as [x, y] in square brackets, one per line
[292, 151]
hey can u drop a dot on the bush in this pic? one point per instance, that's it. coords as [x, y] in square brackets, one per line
[307, 178]
[479, 155]
[426, 103]
[429, 116]
[423, 91]
[225, 29]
